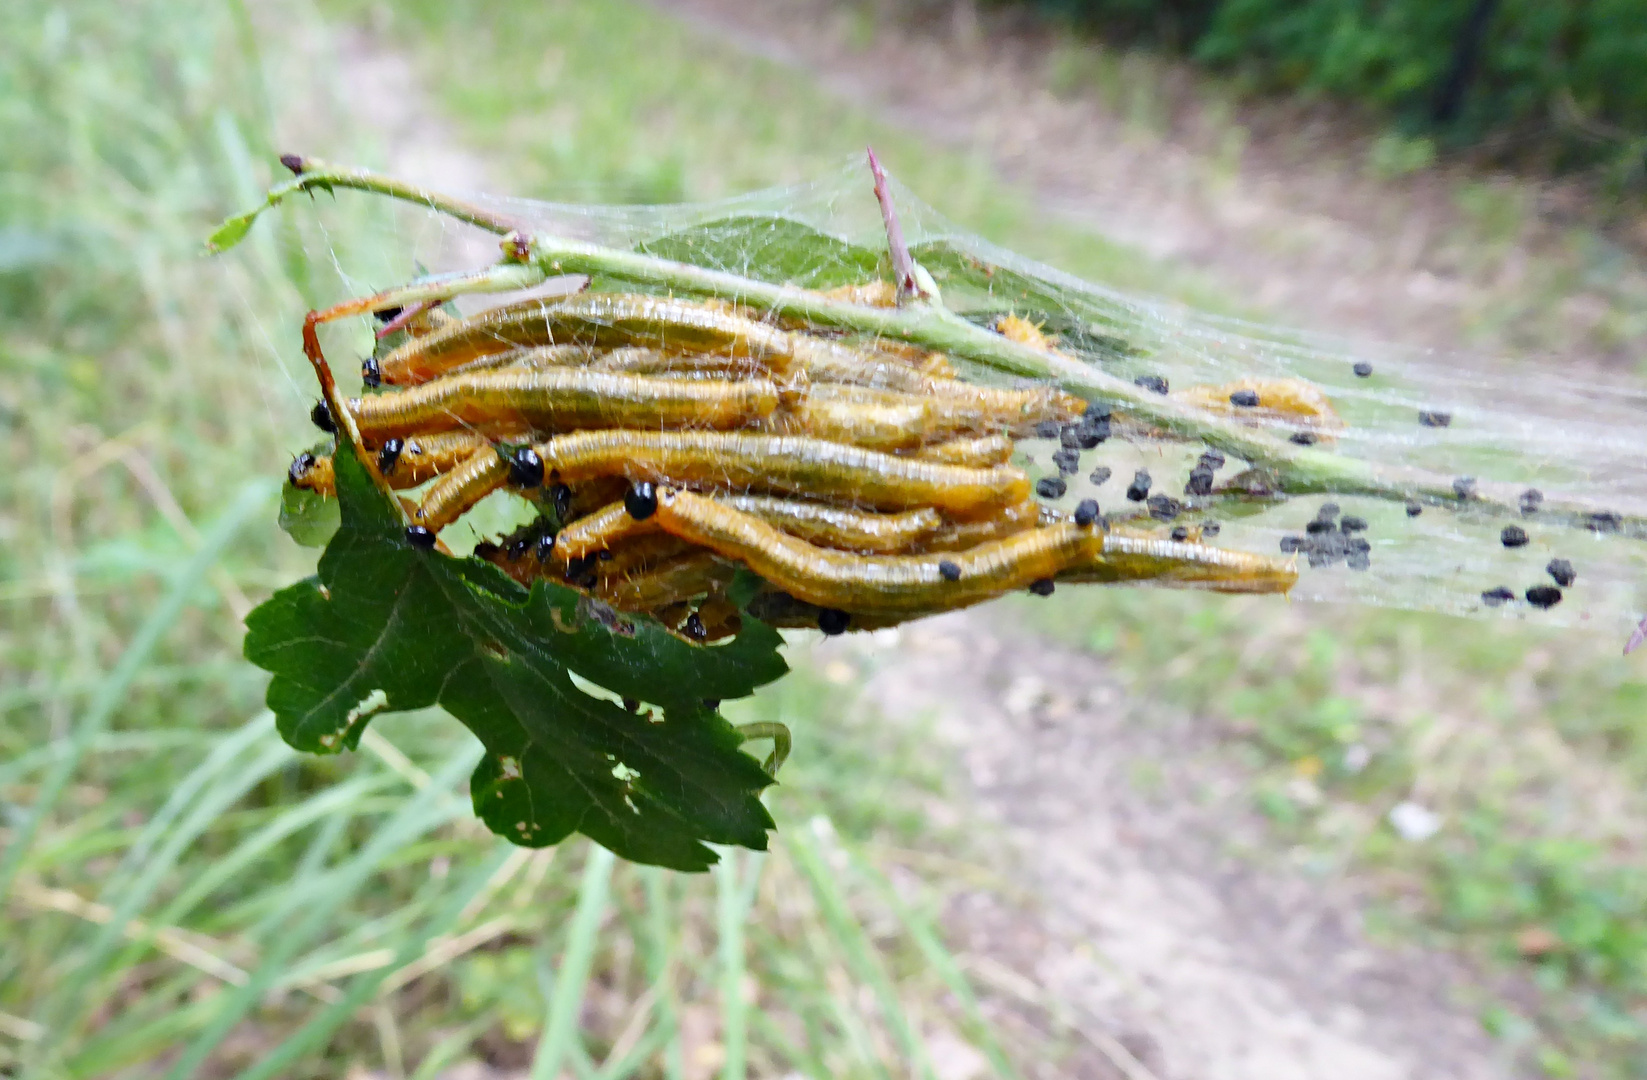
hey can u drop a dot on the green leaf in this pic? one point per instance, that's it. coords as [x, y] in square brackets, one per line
[776, 249]
[232, 231]
[385, 627]
[975, 288]
[306, 516]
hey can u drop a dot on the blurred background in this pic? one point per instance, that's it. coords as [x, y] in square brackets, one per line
[1119, 834]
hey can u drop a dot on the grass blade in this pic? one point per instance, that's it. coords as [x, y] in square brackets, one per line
[662, 919]
[252, 498]
[421, 812]
[850, 937]
[364, 986]
[566, 995]
[925, 936]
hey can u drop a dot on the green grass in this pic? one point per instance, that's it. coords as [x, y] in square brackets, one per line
[181, 894]
[195, 892]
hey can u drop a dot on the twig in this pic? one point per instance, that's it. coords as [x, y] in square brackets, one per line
[903, 263]
[1297, 469]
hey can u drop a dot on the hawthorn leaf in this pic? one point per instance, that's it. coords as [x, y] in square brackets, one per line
[386, 627]
[772, 248]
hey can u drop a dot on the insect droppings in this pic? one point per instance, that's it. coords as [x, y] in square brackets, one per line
[1200, 481]
[1291, 544]
[1351, 524]
[1531, 500]
[949, 571]
[1051, 487]
[641, 500]
[1414, 509]
[1100, 475]
[1464, 487]
[1544, 597]
[1362, 369]
[1435, 419]
[1047, 429]
[1210, 529]
[1513, 536]
[1495, 597]
[1153, 383]
[1212, 459]
[1138, 490]
[1180, 533]
[1302, 438]
[1043, 587]
[1562, 571]
[1604, 521]
[1067, 461]
[560, 496]
[1162, 508]
[1246, 399]
[1086, 513]
[420, 537]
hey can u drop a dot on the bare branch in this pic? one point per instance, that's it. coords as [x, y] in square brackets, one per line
[903, 264]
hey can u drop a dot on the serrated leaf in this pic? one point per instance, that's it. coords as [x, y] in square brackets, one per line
[385, 627]
[775, 249]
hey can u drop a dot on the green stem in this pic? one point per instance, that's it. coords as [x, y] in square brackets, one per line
[1297, 470]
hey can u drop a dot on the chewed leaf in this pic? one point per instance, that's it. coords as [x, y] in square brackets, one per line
[309, 518]
[384, 627]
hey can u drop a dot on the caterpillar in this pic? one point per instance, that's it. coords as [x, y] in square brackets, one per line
[887, 584]
[980, 452]
[600, 319]
[551, 399]
[671, 581]
[414, 461]
[783, 464]
[450, 497]
[1290, 402]
[1131, 556]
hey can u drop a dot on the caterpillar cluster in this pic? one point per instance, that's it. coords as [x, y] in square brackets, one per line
[671, 443]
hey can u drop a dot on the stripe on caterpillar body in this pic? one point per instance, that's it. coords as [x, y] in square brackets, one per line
[876, 583]
[598, 319]
[783, 464]
[450, 497]
[551, 399]
[1133, 557]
